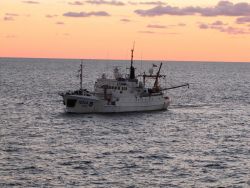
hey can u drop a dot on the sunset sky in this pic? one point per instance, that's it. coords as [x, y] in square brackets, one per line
[191, 30]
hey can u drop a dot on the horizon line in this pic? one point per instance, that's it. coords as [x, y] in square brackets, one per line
[169, 60]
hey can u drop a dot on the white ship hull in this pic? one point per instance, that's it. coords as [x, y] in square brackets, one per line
[92, 104]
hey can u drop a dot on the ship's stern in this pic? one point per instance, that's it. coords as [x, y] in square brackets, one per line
[80, 104]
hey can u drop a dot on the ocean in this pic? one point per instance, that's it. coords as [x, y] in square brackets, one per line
[202, 140]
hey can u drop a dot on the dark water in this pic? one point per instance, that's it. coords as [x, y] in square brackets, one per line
[203, 140]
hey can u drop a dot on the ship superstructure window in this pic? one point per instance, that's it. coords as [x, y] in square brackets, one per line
[71, 103]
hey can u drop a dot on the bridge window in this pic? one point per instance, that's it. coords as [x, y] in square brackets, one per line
[91, 104]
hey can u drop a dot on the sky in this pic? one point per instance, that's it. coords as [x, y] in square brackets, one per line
[180, 30]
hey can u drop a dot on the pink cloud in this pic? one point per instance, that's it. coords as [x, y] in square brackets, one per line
[223, 8]
[156, 26]
[8, 18]
[234, 30]
[51, 16]
[147, 32]
[203, 26]
[85, 14]
[218, 23]
[60, 23]
[125, 20]
[243, 20]
[153, 3]
[31, 2]
[220, 26]
[182, 24]
[11, 14]
[10, 36]
[104, 2]
[147, 3]
[76, 3]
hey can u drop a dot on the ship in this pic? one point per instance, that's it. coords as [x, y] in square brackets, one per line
[120, 93]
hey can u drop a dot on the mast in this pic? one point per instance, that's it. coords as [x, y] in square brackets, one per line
[81, 76]
[156, 84]
[132, 69]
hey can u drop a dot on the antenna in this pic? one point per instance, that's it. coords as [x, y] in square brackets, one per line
[132, 69]
[81, 76]
[141, 66]
[132, 53]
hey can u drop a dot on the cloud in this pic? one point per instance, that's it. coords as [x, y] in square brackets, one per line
[203, 26]
[155, 26]
[178, 25]
[8, 18]
[220, 26]
[104, 2]
[11, 14]
[153, 3]
[76, 3]
[182, 24]
[218, 23]
[125, 20]
[147, 32]
[172, 33]
[10, 36]
[223, 8]
[152, 32]
[211, 25]
[164, 10]
[31, 2]
[243, 20]
[132, 3]
[147, 3]
[51, 16]
[234, 30]
[60, 23]
[85, 14]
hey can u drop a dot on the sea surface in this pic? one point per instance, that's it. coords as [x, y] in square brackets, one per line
[202, 140]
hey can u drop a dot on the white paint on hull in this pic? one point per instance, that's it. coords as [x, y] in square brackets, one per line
[82, 104]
